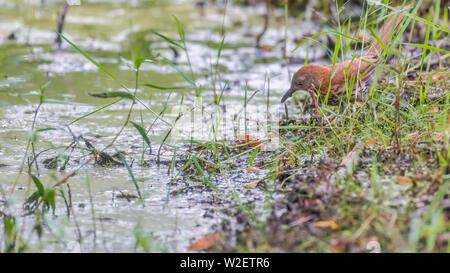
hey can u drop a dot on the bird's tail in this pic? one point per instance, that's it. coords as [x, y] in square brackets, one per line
[385, 33]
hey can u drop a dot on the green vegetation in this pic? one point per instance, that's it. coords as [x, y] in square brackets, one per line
[356, 177]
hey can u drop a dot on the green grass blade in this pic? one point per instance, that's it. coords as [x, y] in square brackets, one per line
[414, 16]
[170, 41]
[39, 185]
[425, 46]
[95, 111]
[180, 28]
[199, 168]
[377, 38]
[142, 132]
[130, 172]
[88, 57]
[326, 32]
[162, 87]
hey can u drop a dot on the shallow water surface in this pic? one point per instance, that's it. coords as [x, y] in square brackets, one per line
[110, 31]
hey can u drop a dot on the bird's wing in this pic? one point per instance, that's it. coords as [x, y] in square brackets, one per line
[357, 67]
[352, 69]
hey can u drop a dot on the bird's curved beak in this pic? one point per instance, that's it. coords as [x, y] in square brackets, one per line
[288, 94]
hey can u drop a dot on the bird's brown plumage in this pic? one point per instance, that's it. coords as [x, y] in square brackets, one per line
[335, 78]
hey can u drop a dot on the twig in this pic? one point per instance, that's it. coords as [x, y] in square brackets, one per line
[266, 25]
[61, 20]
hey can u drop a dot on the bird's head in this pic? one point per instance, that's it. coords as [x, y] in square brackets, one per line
[304, 79]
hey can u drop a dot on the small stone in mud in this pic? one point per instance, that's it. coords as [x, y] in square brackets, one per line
[12, 36]
[209, 213]
[105, 219]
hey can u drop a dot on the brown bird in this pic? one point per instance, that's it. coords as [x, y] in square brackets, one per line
[316, 78]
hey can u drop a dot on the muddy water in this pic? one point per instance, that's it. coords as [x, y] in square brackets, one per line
[107, 30]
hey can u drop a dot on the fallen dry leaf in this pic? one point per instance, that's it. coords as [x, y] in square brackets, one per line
[330, 224]
[370, 142]
[266, 48]
[436, 77]
[308, 201]
[252, 185]
[249, 140]
[206, 242]
[64, 180]
[403, 180]
[254, 169]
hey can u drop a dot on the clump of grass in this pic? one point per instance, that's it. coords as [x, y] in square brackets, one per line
[397, 145]
[12, 240]
[44, 197]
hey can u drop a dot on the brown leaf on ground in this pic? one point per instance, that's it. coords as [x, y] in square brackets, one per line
[266, 48]
[252, 185]
[64, 180]
[249, 140]
[309, 201]
[370, 142]
[329, 224]
[254, 169]
[438, 76]
[403, 180]
[205, 242]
